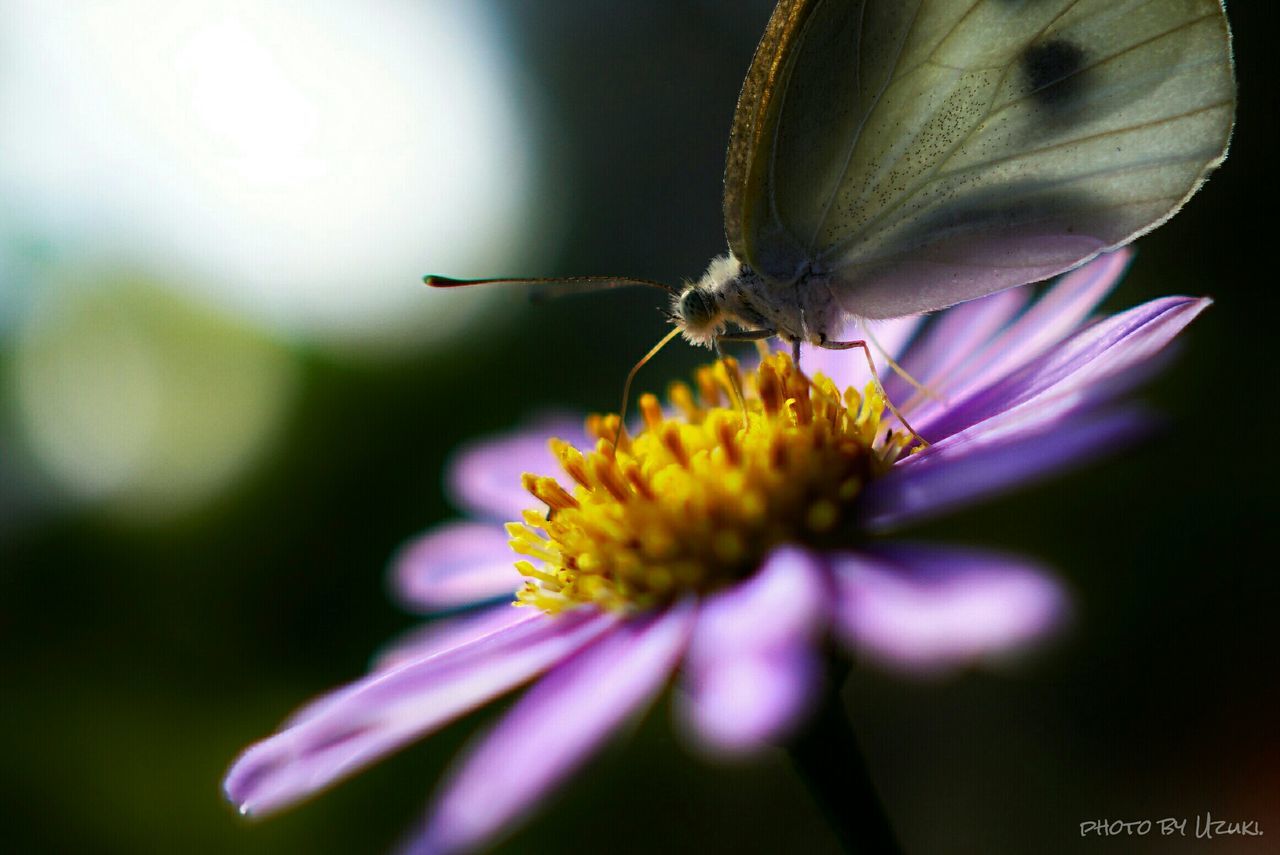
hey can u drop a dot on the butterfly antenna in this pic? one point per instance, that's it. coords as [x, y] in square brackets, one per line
[551, 287]
[631, 376]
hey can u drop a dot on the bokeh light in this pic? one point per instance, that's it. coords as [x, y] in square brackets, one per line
[131, 397]
[303, 164]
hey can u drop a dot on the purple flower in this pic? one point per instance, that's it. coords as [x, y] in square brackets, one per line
[729, 542]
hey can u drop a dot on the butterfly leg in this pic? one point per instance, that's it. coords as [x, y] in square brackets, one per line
[761, 335]
[827, 344]
[748, 335]
[757, 336]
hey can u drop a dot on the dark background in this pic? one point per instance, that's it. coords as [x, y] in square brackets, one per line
[140, 658]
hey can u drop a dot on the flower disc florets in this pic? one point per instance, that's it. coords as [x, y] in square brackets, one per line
[697, 499]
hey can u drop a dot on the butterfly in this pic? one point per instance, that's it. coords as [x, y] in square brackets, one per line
[894, 157]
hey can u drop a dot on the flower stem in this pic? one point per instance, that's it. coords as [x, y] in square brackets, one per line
[826, 755]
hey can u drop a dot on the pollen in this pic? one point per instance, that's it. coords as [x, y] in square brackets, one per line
[735, 465]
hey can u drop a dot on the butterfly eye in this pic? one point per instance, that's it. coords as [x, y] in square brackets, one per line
[696, 310]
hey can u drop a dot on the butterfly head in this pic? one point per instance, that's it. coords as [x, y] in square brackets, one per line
[698, 313]
[703, 308]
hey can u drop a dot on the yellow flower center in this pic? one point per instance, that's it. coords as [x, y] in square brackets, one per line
[695, 501]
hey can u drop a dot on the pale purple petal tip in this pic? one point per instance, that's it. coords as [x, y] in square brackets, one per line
[455, 565]
[752, 664]
[350, 728]
[484, 477]
[1080, 368]
[926, 609]
[738, 706]
[553, 729]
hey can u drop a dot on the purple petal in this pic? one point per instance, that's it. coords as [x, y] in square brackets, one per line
[1078, 368]
[849, 367]
[771, 609]
[455, 565]
[484, 477]
[926, 609]
[958, 333]
[457, 636]
[977, 465]
[1049, 320]
[444, 634]
[553, 729]
[752, 666]
[352, 727]
[738, 706]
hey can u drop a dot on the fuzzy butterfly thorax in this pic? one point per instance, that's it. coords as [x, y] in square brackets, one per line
[731, 292]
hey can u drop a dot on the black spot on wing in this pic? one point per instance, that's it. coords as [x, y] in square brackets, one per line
[1053, 72]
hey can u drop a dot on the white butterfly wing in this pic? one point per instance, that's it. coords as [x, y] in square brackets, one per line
[925, 152]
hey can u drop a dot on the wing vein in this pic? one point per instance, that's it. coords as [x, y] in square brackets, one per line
[857, 135]
[1078, 140]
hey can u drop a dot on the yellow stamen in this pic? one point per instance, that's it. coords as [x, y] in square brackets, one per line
[695, 501]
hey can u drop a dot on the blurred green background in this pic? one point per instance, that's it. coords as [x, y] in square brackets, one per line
[225, 400]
